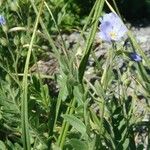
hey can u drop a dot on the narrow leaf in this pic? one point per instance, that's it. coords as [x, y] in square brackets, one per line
[76, 123]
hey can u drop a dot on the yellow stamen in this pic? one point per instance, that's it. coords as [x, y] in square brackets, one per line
[113, 35]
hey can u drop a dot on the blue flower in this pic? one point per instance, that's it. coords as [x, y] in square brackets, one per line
[112, 28]
[2, 20]
[135, 57]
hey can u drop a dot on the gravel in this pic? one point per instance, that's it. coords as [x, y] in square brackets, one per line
[142, 35]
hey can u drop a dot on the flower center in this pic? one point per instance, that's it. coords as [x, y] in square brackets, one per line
[113, 35]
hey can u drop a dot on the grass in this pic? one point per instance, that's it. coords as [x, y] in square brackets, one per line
[64, 109]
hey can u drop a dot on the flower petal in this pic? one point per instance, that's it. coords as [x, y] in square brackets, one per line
[112, 28]
[135, 57]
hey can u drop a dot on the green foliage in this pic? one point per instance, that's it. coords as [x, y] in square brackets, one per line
[63, 108]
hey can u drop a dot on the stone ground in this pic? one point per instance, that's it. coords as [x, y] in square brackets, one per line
[143, 36]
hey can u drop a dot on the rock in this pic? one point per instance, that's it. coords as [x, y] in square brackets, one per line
[142, 34]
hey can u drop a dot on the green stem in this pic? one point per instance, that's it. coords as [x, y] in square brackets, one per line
[65, 126]
[47, 35]
[116, 7]
[24, 103]
[109, 62]
[63, 43]
[82, 66]
[10, 74]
